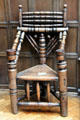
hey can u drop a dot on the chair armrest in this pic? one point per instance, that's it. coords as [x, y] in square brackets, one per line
[16, 41]
[60, 52]
[13, 54]
[62, 40]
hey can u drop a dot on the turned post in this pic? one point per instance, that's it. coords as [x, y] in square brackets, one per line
[65, 14]
[20, 15]
[12, 79]
[42, 49]
[62, 73]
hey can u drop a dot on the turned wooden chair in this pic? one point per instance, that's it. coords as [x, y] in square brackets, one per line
[46, 31]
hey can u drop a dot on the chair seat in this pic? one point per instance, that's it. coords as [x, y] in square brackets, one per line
[38, 73]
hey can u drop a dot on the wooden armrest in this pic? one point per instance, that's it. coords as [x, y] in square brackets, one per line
[16, 41]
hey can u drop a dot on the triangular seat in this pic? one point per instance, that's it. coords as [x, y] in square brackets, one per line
[38, 73]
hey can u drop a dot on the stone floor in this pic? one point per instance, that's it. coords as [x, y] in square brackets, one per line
[5, 111]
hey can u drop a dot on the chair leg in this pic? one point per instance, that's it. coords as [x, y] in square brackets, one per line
[63, 93]
[12, 79]
[14, 107]
[63, 101]
[13, 90]
[62, 73]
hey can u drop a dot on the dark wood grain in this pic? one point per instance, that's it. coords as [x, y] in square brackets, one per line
[72, 13]
[42, 5]
[71, 44]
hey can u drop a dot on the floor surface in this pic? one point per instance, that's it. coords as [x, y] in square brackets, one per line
[5, 110]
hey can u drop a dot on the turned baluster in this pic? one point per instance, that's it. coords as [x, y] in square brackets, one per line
[65, 14]
[38, 91]
[28, 90]
[48, 91]
[42, 49]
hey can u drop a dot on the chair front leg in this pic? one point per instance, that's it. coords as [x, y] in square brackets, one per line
[62, 73]
[12, 79]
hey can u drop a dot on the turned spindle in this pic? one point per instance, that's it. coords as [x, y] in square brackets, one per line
[28, 90]
[42, 49]
[48, 91]
[38, 91]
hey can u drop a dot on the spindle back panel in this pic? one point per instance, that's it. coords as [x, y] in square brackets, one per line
[42, 19]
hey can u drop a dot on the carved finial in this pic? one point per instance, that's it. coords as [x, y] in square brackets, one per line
[65, 14]
[65, 5]
[20, 6]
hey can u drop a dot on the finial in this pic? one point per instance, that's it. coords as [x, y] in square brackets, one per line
[20, 6]
[42, 35]
[65, 5]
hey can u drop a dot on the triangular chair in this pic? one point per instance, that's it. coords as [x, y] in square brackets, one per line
[46, 31]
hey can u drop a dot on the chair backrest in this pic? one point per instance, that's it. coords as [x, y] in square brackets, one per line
[45, 26]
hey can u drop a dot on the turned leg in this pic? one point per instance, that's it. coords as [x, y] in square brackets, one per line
[12, 80]
[62, 73]
[63, 92]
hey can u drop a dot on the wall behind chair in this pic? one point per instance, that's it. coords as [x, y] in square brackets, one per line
[9, 22]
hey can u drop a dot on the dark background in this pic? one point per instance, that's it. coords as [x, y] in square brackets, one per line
[9, 22]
